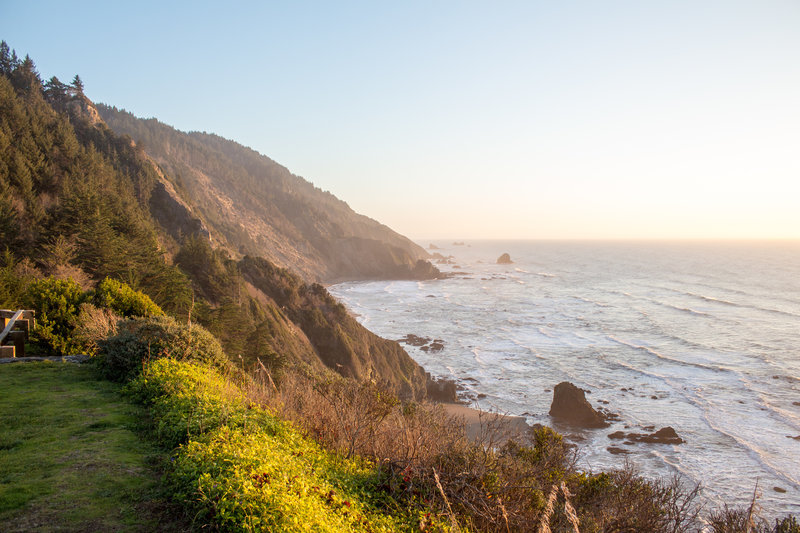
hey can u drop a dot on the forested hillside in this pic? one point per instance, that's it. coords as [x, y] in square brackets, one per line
[78, 201]
[256, 206]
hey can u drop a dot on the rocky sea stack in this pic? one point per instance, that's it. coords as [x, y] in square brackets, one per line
[570, 406]
[504, 259]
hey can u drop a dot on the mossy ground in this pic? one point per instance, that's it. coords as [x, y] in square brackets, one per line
[70, 456]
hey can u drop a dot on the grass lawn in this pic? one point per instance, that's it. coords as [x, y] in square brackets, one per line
[71, 457]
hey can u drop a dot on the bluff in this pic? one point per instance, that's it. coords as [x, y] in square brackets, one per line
[81, 201]
[255, 206]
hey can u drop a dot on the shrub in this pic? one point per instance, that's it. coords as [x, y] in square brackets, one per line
[241, 469]
[57, 303]
[739, 519]
[95, 324]
[142, 339]
[125, 301]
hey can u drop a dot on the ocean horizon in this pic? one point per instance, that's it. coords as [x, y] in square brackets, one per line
[698, 335]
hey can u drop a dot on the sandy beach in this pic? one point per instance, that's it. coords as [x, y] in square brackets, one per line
[478, 422]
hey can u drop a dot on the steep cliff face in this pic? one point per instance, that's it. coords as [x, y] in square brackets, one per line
[174, 215]
[339, 341]
[257, 207]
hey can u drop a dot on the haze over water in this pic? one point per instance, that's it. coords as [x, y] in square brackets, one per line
[703, 335]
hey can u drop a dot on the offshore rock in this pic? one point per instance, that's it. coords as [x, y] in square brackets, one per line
[666, 435]
[504, 259]
[570, 405]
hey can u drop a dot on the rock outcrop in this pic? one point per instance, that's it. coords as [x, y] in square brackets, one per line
[666, 435]
[570, 406]
[441, 390]
[426, 344]
[504, 259]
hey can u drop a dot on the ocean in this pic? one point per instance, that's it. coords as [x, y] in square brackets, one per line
[700, 336]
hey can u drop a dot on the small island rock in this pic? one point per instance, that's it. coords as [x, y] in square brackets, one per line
[665, 435]
[570, 405]
[504, 259]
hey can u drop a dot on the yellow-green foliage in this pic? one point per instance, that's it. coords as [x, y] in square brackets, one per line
[125, 301]
[187, 400]
[57, 303]
[241, 469]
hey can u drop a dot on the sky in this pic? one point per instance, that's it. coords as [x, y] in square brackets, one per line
[516, 120]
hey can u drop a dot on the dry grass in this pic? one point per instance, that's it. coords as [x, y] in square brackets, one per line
[489, 484]
[95, 324]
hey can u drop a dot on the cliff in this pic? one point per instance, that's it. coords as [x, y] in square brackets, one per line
[255, 206]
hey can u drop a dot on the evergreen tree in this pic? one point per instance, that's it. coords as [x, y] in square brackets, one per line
[5, 59]
[77, 84]
[25, 78]
[55, 92]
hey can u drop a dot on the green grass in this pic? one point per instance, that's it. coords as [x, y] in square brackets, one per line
[70, 455]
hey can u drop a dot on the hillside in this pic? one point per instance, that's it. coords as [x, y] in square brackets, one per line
[78, 201]
[254, 206]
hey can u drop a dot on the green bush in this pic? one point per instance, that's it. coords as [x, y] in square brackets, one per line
[57, 303]
[143, 339]
[125, 301]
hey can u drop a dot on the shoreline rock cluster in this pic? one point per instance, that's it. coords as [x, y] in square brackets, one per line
[665, 435]
[426, 344]
[571, 407]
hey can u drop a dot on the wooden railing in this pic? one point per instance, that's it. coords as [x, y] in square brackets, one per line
[16, 328]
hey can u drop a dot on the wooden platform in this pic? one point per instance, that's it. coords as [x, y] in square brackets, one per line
[17, 326]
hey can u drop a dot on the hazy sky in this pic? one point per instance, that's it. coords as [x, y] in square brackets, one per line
[471, 119]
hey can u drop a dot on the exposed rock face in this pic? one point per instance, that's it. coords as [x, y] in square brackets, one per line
[441, 390]
[504, 259]
[174, 215]
[364, 259]
[570, 405]
[333, 337]
[617, 451]
[666, 435]
[82, 106]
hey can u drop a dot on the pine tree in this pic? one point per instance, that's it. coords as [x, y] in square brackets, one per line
[5, 59]
[55, 92]
[25, 78]
[77, 84]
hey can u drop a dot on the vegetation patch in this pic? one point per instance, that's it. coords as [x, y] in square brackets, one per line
[70, 458]
[241, 469]
[145, 339]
